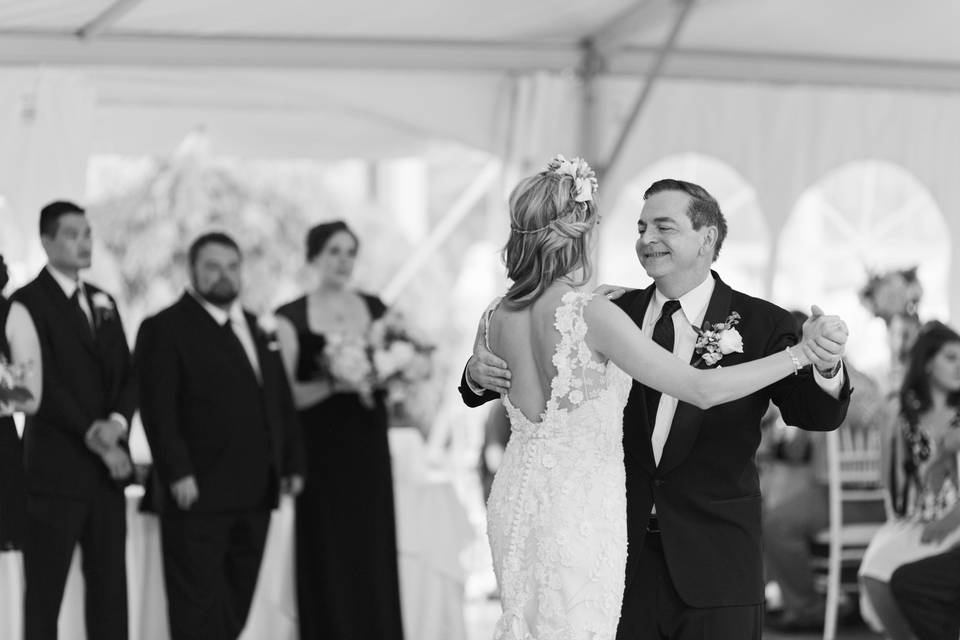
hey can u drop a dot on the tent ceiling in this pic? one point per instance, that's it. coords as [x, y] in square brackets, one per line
[860, 42]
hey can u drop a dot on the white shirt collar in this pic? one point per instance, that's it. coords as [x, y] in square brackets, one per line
[694, 302]
[234, 314]
[68, 284]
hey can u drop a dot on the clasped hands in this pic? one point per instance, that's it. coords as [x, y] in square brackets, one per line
[824, 340]
[103, 438]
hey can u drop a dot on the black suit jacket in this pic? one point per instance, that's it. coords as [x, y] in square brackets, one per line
[706, 487]
[199, 398]
[87, 376]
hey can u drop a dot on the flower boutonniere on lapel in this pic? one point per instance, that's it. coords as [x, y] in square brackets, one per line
[717, 340]
[103, 308]
[267, 328]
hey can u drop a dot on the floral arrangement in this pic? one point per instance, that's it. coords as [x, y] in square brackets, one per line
[719, 339]
[584, 179]
[346, 362]
[892, 294]
[13, 390]
[389, 357]
[401, 358]
[103, 308]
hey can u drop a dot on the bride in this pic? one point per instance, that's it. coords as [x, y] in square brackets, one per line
[557, 510]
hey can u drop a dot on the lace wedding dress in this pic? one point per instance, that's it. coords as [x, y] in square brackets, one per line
[557, 520]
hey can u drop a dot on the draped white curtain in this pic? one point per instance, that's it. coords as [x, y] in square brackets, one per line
[46, 122]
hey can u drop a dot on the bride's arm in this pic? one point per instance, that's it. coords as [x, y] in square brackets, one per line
[612, 333]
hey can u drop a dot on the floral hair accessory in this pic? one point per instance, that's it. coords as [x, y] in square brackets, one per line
[584, 179]
[584, 184]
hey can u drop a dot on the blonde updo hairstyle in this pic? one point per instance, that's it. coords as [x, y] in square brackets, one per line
[549, 236]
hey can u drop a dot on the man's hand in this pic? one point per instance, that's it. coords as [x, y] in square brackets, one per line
[611, 291]
[185, 492]
[118, 463]
[104, 434]
[486, 370]
[292, 485]
[824, 341]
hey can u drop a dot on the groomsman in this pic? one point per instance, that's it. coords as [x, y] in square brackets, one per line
[218, 413]
[75, 452]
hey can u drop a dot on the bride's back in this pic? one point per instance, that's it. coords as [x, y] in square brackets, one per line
[527, 340]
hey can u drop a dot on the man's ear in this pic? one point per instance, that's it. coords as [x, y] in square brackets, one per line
[709, 240]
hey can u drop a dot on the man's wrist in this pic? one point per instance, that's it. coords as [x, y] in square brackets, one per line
[830, 373]
[473, 386]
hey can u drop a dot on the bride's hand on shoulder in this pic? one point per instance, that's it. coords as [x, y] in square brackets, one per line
[611, 291]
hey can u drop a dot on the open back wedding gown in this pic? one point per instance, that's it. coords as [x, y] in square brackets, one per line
[557, 520]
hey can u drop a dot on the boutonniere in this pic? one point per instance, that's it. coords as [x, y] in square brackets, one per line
[267, 327]
[717, 340]
[103, 307]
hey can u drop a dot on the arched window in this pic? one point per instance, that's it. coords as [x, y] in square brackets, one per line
[865, 216]
[743, 258]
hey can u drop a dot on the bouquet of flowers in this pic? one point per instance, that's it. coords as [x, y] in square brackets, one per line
[13, 389]
[401, 358]
[346, 363]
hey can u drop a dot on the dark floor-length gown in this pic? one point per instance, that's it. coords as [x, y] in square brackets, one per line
[346, 551]
[12, 482]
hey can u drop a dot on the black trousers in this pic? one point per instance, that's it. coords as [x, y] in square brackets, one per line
[653, 610]
[55, 525]
[928, 592]
[210, 565]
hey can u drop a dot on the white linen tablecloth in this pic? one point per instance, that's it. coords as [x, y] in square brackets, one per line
[432, 530]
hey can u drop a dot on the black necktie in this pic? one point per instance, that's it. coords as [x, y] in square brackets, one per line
[237, 344]
[81, 315]
[663, 336]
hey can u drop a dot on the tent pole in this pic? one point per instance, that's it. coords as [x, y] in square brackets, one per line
[107, 18]
[650, 81]
[592, 65]
[474, 192]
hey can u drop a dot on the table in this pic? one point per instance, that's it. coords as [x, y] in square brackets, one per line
[432, 531]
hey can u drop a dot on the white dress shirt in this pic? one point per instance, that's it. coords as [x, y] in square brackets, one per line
[238, 322]
[693, 308]
[70, 286]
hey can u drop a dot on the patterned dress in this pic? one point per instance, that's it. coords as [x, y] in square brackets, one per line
[557, 511]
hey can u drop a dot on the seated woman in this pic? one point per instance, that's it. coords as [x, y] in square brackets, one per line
[921, 463]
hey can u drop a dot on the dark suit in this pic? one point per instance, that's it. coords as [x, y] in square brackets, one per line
[703, 574]
[207, 415]
[87, 375]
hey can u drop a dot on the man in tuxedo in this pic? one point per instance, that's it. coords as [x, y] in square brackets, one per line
[694, 564]
[219, 416]
[75, 453]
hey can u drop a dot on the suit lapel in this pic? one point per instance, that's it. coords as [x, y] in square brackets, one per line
[687, 419]
[66, 309]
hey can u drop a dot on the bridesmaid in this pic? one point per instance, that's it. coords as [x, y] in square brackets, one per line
[346, 553]
[13, 501]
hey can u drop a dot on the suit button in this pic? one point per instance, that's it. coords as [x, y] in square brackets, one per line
[659, 482]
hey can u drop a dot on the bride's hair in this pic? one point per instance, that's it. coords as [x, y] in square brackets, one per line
[549, 232]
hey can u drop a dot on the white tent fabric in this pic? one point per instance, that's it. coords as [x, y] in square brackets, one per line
[783, 92]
